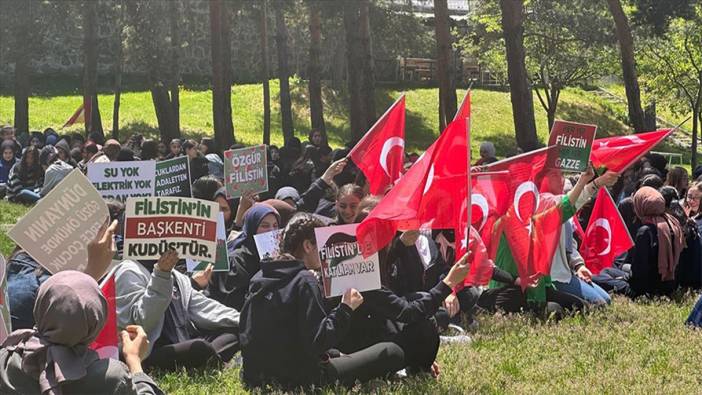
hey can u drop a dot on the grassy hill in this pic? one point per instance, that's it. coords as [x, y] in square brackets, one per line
[492, 113]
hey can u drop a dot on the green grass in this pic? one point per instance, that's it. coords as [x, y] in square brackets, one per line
[492, 113]
[630, 347]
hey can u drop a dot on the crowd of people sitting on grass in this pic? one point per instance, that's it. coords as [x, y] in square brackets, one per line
[272, 311]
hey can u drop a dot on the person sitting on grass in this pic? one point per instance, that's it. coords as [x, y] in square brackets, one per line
[287, 336]
[55, 170]
[55, 357]
[26, 178]
[52, 355]
[229, 288]
[7, 162]
[185, 327]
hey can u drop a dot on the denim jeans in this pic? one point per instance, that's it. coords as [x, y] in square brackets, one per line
[24, 276]
[27, 196]
[591, 292]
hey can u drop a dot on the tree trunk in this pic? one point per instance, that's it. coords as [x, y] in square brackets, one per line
[695, 129]
[174, 16]
[367, 74]
[445, 69]
[626, 48]
[221, 87]
[164, 110]
[520, 92]
[22, 71]
[119, 60]
[266, 74]
[90, 66]
[353, 77]
[281, 40]
[314, 71]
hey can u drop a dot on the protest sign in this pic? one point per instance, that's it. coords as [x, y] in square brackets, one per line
[222, 258]
[57, 230]
[120, 180]
[343, 265]
[153, 225]
[268, 244]
[245, 171]
[5, 322]
[173, 177]
[573, 142]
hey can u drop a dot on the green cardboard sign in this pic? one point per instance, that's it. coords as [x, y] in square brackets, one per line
[573, 142]
[245, 171]
[173, 177]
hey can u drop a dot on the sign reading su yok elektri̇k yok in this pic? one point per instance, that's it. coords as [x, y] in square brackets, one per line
[573, 142]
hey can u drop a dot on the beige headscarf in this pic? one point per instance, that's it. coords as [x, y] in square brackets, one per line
[70, 312]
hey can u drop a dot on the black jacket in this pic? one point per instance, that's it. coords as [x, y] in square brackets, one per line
[284, 329]
[378, 319]
[198, 168]
[230, 288]
[645, 278]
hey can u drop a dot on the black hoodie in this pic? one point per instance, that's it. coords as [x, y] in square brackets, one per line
[285, 332]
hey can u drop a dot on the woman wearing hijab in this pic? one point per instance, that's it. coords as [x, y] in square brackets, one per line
[55, 358]
[185, 327]
[230, 288]
[657, 245]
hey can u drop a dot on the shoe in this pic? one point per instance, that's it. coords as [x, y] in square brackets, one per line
[458, 335]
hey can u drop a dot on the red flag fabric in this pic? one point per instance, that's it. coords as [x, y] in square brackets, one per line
[464, 110]
[77, 117]
[430, 194]
[606, 236]
[380, 153]
[490, 196]
[481, 267]
[619, 152]
[106, 344]
[532, 223]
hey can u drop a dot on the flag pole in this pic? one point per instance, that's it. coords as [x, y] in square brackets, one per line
[469, 203]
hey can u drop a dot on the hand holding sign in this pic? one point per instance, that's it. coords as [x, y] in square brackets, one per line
[101, 250]
[352, 298]
[607, 179]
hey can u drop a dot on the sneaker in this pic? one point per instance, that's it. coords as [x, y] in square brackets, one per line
[455, 334]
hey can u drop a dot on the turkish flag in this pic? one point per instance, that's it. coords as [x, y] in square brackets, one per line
[107, 342]
[620, 152]
[606, 236]
[490, 196]
[430, 194]
[532, 222]
[464, 109]
[380, 154]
